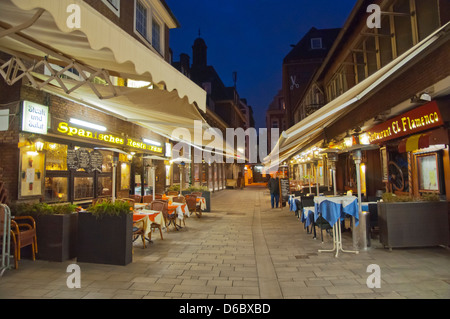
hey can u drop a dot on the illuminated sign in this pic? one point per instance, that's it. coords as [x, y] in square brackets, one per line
[417, 120]
[66, 129]
[34, 118]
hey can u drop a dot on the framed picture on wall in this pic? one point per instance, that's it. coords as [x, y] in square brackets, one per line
[384, 165]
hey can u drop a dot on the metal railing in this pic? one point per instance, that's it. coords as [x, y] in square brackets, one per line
[5, 235]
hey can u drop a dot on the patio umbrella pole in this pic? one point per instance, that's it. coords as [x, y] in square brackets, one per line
[317, 181]
[114, 182]
[357, 158]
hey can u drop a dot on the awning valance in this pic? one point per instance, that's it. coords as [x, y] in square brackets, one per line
[98, 43]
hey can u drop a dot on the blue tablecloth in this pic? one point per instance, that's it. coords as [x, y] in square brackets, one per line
[307, 216]
[331, 210]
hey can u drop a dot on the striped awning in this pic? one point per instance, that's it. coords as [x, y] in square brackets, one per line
[424, 140]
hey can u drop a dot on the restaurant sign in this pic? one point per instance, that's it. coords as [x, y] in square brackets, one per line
[414, 121]
[67, 129]
[34, 118]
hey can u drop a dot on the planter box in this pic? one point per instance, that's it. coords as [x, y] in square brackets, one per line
[206, 195]
[105, 241]
[414, 224]
[57, 237]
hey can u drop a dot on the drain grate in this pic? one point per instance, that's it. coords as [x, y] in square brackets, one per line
[237, 214]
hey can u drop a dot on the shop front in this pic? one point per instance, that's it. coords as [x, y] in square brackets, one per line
[73, 160]
[414, 152]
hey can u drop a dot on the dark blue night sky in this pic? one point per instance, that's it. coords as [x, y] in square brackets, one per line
[252, 37]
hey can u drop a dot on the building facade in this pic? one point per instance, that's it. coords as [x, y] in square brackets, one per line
[68, 131]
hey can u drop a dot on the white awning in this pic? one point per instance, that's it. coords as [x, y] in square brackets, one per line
[98, 43]
[296, 138]
[158, 110]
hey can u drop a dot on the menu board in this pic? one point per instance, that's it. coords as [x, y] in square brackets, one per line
[96, 161]
[82, 158]
[72, 160]
[284, 191]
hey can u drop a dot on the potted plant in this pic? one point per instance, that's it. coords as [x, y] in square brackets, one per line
[105, 234]
[406, 221]
[56, 229]
[205, 193]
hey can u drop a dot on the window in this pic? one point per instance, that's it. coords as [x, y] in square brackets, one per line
[403, 29]
[113, 5]
[148, 26]
[427, 17]
[56, 189]
[316, 43]
[156, 35]
[141, 19]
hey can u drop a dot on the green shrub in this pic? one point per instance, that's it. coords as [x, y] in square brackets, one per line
[197, 189]
[41, 209]
[107, 208]
[431, 197]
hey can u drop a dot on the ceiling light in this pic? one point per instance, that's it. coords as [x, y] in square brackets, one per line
[88, 125]
[151, 142]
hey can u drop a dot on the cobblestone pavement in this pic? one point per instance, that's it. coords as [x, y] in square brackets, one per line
[242, 249]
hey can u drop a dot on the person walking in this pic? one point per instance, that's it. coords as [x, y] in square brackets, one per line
[274, 188]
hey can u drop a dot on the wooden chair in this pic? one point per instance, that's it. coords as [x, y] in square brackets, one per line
[172, 193]
[147, 199]
[161, 206]
[198, 194]
[138, 232]
[169, 218]
[23, 234]
[179, 199]
[191, 201]
[158, 196]
[137, 198]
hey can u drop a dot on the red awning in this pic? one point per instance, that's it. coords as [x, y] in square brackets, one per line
[419, 141]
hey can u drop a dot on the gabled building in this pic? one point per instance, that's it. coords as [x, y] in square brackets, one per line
[299, 68]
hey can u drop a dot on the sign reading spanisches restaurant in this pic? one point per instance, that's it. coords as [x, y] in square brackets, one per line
[66, 129]
[414, 121]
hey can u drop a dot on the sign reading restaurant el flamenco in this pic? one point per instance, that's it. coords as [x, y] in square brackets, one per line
[414, 121]
[66, 129]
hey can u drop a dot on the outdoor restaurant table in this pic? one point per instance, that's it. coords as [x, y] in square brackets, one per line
[333, 209]
[147, 217]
